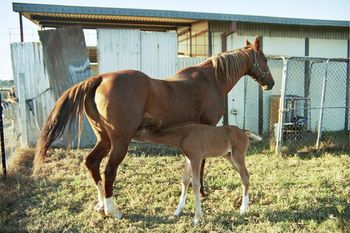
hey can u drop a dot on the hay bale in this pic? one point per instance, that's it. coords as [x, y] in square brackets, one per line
[21, 162]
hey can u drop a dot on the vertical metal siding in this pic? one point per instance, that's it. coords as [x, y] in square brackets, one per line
[158, 54]
[118, 49]
[27, 59]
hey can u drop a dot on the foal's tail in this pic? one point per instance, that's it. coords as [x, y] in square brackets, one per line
[68, 107]
[253, 136]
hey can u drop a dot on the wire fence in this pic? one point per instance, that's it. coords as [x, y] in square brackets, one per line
[313, 106]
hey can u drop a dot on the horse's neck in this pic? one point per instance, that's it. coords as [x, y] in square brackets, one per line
[220, 76]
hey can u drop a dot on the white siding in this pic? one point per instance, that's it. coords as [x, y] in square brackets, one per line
[27, 61]
[118, 49]
[154, 53]
[328, 48]
[158, 54]
[336, 83]
[283, 46]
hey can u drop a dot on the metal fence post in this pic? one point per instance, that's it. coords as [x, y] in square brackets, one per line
[2, 138]
[323, 95]
[282, 107]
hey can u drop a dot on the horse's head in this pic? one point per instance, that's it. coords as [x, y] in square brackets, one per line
[259, 70]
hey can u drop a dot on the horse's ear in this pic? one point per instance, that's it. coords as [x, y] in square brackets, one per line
[247, 43]
[257, 43]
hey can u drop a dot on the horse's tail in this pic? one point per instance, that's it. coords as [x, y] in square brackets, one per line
[253, 136]
[69, 107]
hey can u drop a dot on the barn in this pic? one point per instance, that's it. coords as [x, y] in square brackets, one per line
[312, 55]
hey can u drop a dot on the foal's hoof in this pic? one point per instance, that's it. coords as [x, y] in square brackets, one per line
[196, 221]
[177, 212]
[114, 215]
[99, 208]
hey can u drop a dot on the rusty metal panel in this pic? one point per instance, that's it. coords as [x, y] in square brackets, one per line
[28, 63]
[158, 54]
[67, 63]
[118, 49]
[66, 57]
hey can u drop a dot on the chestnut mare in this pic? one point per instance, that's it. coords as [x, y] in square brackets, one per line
[118, 104]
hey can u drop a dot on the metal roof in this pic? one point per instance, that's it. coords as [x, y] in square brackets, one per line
[92, 17]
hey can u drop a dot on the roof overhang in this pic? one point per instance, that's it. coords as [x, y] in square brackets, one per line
[95, 17]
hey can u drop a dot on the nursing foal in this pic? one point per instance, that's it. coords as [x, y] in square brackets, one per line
[198, 142]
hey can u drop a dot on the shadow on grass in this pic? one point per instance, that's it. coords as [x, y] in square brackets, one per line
[339, 209]
[151, 219]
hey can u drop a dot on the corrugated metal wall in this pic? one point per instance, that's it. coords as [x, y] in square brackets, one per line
[158, 54]
[298, 31]
[118, 49]
[154, 53]
[30, 76]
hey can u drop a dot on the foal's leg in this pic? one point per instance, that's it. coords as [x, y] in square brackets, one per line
[92, 162]
[186, 179]
[237, 159]
[202, 190]
[118, 151]
[196, 185]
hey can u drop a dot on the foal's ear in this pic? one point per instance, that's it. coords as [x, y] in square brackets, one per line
[257, 43]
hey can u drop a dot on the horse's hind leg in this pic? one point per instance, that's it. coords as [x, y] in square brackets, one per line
[118, 151]
[92, 162]
[237, 159]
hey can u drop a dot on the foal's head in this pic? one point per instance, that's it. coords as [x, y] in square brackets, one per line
[259, 69]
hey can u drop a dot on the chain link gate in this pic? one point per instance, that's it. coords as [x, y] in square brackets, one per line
[313, 105]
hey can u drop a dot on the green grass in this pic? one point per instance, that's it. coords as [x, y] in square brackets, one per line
[288, 194]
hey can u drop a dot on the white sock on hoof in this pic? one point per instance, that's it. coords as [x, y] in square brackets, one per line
[245, 203]
[111, 210]
[99, 206]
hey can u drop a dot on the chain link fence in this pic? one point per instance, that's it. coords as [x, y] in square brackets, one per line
[306, 111]
[313, 106]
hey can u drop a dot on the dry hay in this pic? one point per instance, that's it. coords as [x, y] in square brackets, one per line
[21, 162]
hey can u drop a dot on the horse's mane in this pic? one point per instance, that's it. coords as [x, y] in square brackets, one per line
[232, 64]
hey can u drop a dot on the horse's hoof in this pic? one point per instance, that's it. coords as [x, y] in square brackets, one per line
[196, 221]
[242, 211]
[177, 213]
[117, 216]
[99, 207]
